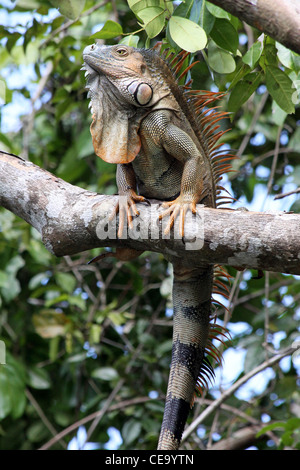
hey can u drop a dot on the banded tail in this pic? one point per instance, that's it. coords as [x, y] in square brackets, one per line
[192, 345]
[193, 330]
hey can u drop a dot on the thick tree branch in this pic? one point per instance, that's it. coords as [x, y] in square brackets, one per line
[280, 19]
[71, 220]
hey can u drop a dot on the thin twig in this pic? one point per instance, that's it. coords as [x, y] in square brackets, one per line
[121, 405]
[29, 119]
[105, 408]
[290, 193]
[274, 162]
[69, 23]
[135, 355]
[267, 312]
[270, 153]
[227, 393]
[252, 125]
[80, 278]
[43, 417]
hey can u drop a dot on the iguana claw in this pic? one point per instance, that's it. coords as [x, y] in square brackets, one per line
[126, 208]
[176, 208]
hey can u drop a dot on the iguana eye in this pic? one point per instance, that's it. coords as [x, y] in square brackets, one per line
[122, 51]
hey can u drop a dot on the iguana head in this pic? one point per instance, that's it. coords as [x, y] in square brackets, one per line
[125, 68]
[123, 89]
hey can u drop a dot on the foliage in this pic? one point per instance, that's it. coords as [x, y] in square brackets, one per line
[84, 338]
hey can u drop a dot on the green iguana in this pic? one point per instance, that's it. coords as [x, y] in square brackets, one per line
[163, 139]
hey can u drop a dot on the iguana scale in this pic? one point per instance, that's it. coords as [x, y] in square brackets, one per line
[163, 138]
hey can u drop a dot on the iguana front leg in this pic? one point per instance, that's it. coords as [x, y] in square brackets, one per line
[179, 145]
[126, 207]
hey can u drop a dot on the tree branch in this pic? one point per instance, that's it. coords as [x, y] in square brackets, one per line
[71, 220]
[280, 19]
[239, 440]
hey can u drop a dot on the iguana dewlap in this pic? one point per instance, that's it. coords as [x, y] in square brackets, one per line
[161, 138]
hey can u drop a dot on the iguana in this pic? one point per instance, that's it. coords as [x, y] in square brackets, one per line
[163, 138]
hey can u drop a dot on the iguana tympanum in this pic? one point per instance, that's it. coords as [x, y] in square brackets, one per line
[162, 138]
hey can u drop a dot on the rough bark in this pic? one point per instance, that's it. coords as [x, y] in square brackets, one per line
[71, 220]
[280, 19]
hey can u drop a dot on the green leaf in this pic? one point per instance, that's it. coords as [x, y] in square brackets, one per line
[37, 432]
[11, 41]
[293, 424]
[66, 281]
[187, 34]
[38, 378]
[217, 11]
[288, 58]
[295, 77]
[3, 279]
[294, 142]
[270, 427]
[78, 301]
[14, 265]
[131, 40]
[220, 61]
[8, 144]
[80, 357]
[207, 20]
[11, 292]
[253, 54]
[10, 286]
[105, 373]
[12, 388]
[287, 438]
[53, 348]
[131, 430]
[139, 5]
[39, 252]
[243, 90]
[94, 334]
[69, 8]
[5, 399]
[164, 348]
[270, 55]
[36, 280]
[225, 35]
[280, 88]
[110, 30]
[239, 75]
[188, 9]
[153, 20]
[278, 115]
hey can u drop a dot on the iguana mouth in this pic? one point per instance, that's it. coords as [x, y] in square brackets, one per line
[92, 82]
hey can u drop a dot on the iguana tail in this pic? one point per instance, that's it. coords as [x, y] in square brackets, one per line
[191, 369]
